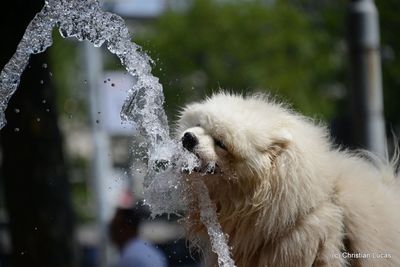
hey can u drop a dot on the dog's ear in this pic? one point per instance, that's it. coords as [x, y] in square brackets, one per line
[283, 136]
[281, 140]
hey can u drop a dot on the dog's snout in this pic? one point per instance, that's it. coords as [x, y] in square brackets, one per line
[189, 141]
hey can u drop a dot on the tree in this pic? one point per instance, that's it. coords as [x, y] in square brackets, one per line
[390, 43]
[33, 169]
[245, 46]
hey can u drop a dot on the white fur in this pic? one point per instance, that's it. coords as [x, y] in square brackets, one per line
[284, 195]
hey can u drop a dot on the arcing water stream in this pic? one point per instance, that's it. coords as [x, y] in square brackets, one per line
[84, 20]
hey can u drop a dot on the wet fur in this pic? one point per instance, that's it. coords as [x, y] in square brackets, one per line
[285, 195]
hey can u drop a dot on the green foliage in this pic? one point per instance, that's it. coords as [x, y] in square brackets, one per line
[389, 25]
[244, 46]
[66, 72]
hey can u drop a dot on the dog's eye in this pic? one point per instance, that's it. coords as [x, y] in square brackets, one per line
[219, 143]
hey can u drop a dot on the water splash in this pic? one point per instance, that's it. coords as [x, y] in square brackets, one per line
[84, 20]
[208, 216]
[36, 39]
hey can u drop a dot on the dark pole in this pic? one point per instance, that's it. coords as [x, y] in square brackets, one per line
[365, 77]
[33, 169]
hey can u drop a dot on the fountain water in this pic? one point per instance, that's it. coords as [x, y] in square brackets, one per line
[84, 20]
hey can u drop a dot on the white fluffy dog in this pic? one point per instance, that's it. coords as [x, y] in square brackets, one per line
[284, 195]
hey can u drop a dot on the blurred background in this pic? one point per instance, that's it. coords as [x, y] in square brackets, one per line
[68, 161]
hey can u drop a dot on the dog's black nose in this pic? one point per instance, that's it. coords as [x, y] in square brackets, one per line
[189, 141]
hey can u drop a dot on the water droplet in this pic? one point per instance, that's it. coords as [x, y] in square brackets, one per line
[47, 110]
[38, 119]
[97, 121]
[63, 32]
[113, 84]
[17, 110]
[105, 81]
[16, 129]
[44, 101]
[44, 65]
[108, 79]
[51, 74]
[41, 82]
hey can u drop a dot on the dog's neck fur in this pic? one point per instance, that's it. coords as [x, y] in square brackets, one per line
[270, 206]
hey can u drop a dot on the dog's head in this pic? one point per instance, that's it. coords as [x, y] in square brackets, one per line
[255, 154]
[234, 135]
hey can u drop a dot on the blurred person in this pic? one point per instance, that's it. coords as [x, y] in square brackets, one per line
[135, 252]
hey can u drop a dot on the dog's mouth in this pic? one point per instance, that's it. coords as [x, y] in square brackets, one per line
[209, 168]
[206, 169]
[204, 166]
